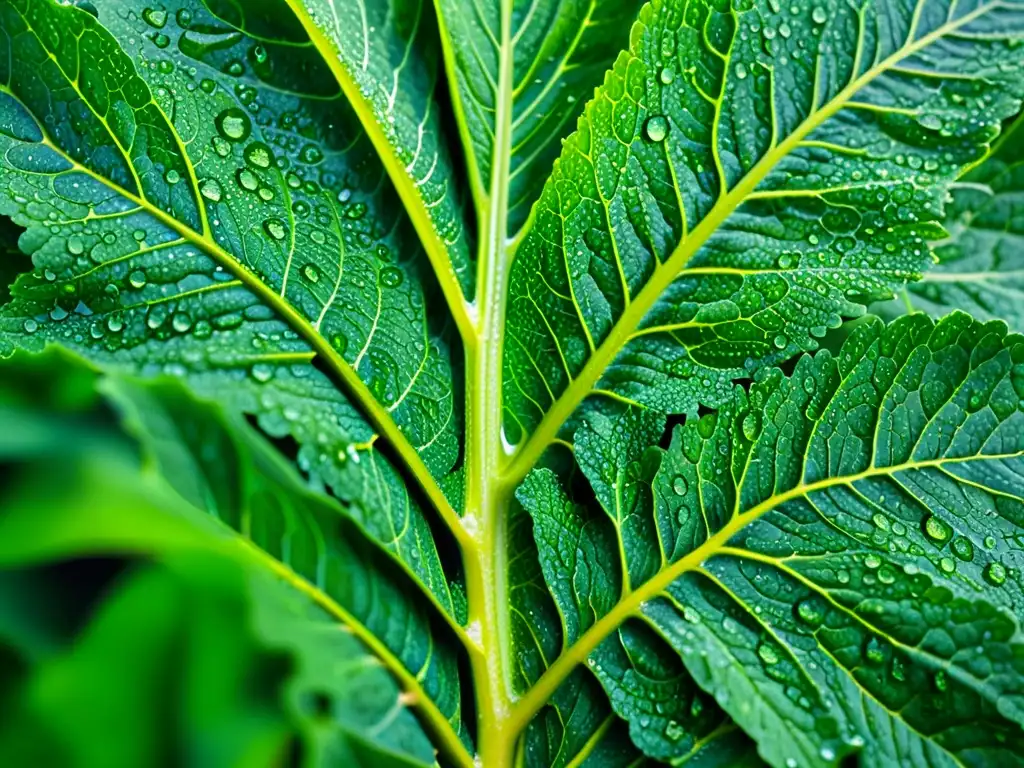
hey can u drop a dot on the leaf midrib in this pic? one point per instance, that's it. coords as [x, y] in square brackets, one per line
[581, 386]
[545, 686]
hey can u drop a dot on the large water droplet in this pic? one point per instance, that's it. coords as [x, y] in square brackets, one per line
[211, 190]
[155, 17]
[259, 154]
[137, 279]
[233, 124]
[937, 529]
[656, 128]
[995, 574]
[275, 228]
[391, 277]
[311, 273]
[819, 15]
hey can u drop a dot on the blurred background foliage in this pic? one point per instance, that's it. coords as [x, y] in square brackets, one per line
[134, 629]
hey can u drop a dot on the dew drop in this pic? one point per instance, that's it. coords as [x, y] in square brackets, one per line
[937, 529]
[262, 372]
[275, 228]
[258, 154]
[137, 279]
[30, 326]
[680, 486]
[768, 653]
[391, 277]
[311, 154]
[233, 124]
[211, 190]
[181, 322]
[172, 176]
[995, 574]
[667, 75]
[818, 15]
[656, 128]
[155, 17]
[115, 323]
[963, 548]
[311, 273]
[809, 612]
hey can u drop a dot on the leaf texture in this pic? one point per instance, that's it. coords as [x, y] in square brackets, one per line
[386, 57]
[746, 177]
[837, 556]
[529, 65]
[980, 265]
[215, 211]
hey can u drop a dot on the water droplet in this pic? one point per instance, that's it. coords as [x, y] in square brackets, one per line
[872, 561]
[181, 322]
[259, 54]
[947, 565]
[340, 343]
[154, 17]
[768, 653]
[311, 154]
[741, 71]
[674, 731]
[995, 574]
[391, 277]
[880, 521]
[211, 190]
[247, 180]
[667, 75]
[810, 612]
[355, 211]
[30, 326]
[680, 485]
[137, 279]
[172, 176]
[208, 85]
[931, 122]
[937, 529]
[989, 542]
[941, 681]
[184, 17]
[262, 372]
[749, 426]
[115, 323]
[259, 154]
[818, 15]
[963, 548]
[275, 228]
[160, 40]
[233, 124]
[656, 128]
[311, 273]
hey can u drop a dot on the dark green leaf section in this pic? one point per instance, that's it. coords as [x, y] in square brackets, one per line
[980, 265]
[745, 178]
[387, 57]
[191, 648]
[555, 53]
[212, 209]
[840, 550]
[669, 717]
[234, 476]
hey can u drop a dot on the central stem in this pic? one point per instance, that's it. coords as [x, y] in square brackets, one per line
[487, 498]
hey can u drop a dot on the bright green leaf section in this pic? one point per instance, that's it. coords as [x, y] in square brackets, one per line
[840, 552]
[212, 209]
[745, 178]
[980, 265]
[188, 647]
[521, 72]
[386, 57]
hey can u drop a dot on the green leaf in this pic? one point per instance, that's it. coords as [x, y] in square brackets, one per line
[980, 265]
[249, 503]
[839, 550]
[522, 72]
[386, 58]
[745, 178]
[214, 210]
[183, 652]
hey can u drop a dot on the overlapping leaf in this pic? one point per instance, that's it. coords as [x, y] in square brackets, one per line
[837, 555]
[748, 175]
[213, 209]
[980, 265]
[197, 603]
